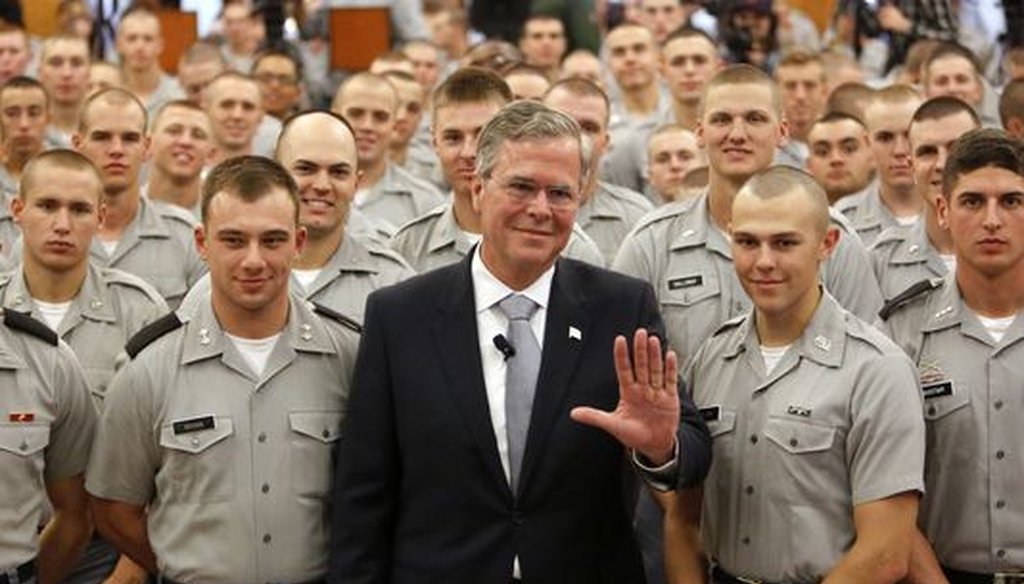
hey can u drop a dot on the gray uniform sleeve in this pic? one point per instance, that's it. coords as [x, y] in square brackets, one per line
[886, 440]
[72, 433]
[125, 456]
[850, 278]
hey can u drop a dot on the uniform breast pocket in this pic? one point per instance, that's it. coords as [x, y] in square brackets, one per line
[21, 460]
[803, 453]
[314, 437]
[198, 463]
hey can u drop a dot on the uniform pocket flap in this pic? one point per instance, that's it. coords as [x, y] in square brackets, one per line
[799, 437]
[322, 426]
[24, 439]
[723, 421]
[942, 399]
[191, 434]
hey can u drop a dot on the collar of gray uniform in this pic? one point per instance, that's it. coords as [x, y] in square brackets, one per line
[351, 256]
[9, 358]
[695, 227]
[945, 307]
[304, 332]
[823, 341]
[914, 248]
[148, 221]
[447, 232]
[92, 300]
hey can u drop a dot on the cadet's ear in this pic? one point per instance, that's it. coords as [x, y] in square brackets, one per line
[829, 243]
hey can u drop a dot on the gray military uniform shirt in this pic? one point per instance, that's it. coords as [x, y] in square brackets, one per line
[609, 216]
[398, 197]
[435, 240]
[902, 257]
[46, 432]
[355, 270]
[866, 213]
[157, 246]
[108, 310]
[235, 469]
[834, 425]
[166, 90]
[9, 230]
[688, 261]
[973, 508]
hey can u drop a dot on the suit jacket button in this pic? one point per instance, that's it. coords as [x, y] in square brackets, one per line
[517, 518]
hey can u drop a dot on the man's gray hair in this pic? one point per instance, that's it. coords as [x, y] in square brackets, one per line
[524, 120]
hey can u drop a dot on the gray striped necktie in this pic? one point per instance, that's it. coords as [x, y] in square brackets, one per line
[520, 378]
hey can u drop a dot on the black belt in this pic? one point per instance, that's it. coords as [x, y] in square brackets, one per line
[25, 572]
[720, 576]
[961, 577]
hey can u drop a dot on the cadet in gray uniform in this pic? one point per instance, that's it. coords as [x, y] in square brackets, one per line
[386, 190]
[337, 269]
[965, 333]
[213, 460]
[682, 248]
[903, 256]
[462, 105]
[608, 212]
[45, 435]
[26, 106]
[818, 447]
[139, 43]
[95, 310]
[149, 239]
[891, 200]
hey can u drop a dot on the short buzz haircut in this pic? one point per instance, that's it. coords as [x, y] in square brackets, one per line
[892, 95]
[471, 85]
[944, 106]
[114, 96]
[580, 87]
[202, 52]
[947, 49]
[982, 148]
[53, 41]
[287, 124]
[690, 32]
[154, 121]
[249, 178]
[525, 120]
[539, 17]
[1011, 102]
[364, 77]
[850, 98]
[670, 128]
[524, 69]
[742, 74]
[836, 117]
[25, 82]
[781, 180]
[800, 57]
[139, 9]
[58, 159]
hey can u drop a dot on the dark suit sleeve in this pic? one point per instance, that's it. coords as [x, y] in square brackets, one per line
[693, 437]
[367, 470]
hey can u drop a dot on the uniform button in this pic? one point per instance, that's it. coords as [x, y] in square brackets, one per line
[262, 437]
[753, 438]
[1001, 553]
[1000, 504]
[195, 442]
[998, 404]
[266, 538]
[793, 442]
[265, 488]
[749, 489]
[931, 411]
[326, 433]
[1000, 455]
[746, 541]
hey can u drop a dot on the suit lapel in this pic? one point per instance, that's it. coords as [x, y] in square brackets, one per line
[567, 326]
[455, 331]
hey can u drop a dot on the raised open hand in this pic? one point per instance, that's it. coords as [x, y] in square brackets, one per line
[646, 418]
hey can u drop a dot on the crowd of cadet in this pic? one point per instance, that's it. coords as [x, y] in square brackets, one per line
[714, 296]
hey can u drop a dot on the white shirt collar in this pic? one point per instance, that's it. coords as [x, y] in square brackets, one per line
[488, 290]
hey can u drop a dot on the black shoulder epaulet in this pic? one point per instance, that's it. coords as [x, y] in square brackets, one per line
[907, 295]
[152, 332]
[24, 322]
[338, 317]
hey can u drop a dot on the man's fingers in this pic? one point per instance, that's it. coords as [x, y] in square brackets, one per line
[640, 360]
[593, 417]
[623, 366]
[655, 364]
[672, 371]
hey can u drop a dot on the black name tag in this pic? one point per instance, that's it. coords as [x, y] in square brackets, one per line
[711, 414]
[933, 390]
[194, 425]
[685, 282]
[798, 411]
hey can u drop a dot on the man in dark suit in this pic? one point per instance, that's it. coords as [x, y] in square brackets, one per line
[440, 478]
